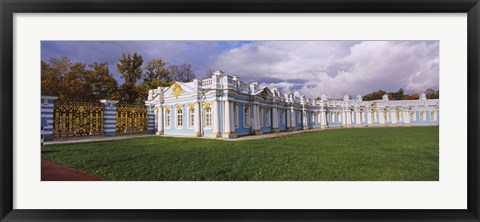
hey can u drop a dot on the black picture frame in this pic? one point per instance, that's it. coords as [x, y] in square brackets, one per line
[9, 7]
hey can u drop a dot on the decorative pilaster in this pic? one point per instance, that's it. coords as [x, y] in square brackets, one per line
[256, 115]
[227, 122]
[160, 120]
[110, 117]
[357, 117]
[216, 119]
[304, 119]
[275, 115]
[197, 123]
[293, 119]
[324, 119]
[46, 116]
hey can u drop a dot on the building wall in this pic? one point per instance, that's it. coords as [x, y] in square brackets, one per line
[229, 90]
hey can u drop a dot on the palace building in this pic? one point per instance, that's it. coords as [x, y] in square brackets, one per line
[224, 106]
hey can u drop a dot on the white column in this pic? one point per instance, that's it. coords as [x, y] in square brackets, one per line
[197, 123]
[324, 119]
[160, 120]
[226, 118]
[344, 120]
[349, 117]
[287, 113]
[358, 120]
[216, 119]
[369, 117]
[293, 119]
[304, 119]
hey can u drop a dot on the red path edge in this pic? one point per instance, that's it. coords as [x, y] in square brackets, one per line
[52, 171]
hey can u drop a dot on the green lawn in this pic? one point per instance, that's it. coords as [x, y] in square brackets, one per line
[400, 153]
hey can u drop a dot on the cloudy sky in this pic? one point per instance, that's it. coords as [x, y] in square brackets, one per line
[333, 68]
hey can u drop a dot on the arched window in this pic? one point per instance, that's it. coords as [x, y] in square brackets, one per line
[413, 116]
[246, 116]
[179, 117]
[208, 117]
[235, 115]
[433, 117]
[422, 116]
[168, 118]
[191, 117]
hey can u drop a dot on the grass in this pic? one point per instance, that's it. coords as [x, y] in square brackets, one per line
[356, 154]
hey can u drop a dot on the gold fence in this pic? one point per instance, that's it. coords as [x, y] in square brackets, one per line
[77, 118]
[132, 118]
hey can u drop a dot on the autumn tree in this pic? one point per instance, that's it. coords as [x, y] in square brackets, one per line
[155, 74]
[101, 82]
[182, 73]
[73, 85]
[414, 96]
[50, 81]
[130, 68]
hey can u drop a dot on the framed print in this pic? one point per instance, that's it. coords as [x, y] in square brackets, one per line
[266, 110]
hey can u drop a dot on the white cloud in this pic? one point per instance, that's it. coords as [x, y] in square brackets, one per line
[336, 68]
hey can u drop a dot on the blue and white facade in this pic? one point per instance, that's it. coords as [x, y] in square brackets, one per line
[224, 106]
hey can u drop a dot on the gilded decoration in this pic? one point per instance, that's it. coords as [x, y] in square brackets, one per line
[206, 105]
[131, 118]
[264, 94]
[177, 90]
[178, 107]
[78, 118]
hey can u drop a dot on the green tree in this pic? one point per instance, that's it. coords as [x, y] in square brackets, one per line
[399, 95]
[432, 94]
[374, 95]
[101, 82]
[130, 67]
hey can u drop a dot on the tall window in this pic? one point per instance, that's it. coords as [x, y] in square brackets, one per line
[267, 117]
[422, 116]
[246, 116]
[362, 118]
[374, 116]
[413, 116]
[235, 115]
[284, 117]
[399, 116]
[433, 116]
[386, 115]
[179, 117]
[332, 117]
[191, 117]
[168, 118]
[339, 116]
[298, 116]
[208, 117]
[319, 115]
